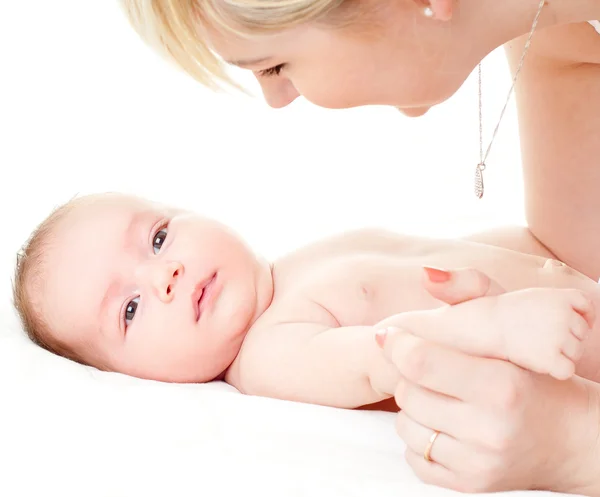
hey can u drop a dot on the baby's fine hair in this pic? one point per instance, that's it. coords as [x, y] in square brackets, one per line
[28, 284]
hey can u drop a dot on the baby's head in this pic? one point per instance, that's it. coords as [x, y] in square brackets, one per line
[128, 285]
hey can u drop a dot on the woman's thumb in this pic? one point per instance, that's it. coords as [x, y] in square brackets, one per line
[460, 285]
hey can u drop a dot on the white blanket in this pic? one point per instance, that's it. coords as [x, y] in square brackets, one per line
[68, 431]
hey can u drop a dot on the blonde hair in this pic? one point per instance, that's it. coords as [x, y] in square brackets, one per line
[174, 27]
[28, 285]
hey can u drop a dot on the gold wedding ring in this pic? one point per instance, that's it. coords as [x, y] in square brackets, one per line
[427, 454]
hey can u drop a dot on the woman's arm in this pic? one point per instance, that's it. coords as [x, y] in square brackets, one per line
[558, 102]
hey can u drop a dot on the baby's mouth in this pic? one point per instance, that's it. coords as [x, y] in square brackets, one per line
[200, 295]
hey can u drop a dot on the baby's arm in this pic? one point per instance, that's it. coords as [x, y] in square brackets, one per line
[541, 329]
[314, 363]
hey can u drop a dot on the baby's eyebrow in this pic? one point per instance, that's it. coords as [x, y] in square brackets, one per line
[131, 233]
[132, 240]
[130, 237]
[112, 292]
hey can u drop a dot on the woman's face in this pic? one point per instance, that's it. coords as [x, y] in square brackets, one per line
[398, 57]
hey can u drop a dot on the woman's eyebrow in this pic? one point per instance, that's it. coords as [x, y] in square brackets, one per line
[248, 62]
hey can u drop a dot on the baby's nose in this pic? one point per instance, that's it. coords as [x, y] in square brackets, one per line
[165, 279]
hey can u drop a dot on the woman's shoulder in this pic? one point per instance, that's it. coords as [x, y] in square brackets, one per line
[563, 45]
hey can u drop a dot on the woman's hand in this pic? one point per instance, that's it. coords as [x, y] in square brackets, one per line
[500, 427]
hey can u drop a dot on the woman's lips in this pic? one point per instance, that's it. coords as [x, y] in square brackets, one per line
[203, 295]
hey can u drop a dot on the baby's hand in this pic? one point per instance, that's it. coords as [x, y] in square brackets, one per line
[543, 329]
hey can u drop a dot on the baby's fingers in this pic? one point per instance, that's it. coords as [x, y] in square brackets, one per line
[572, 348]
[584, 306]
[579, 326]
[563, 368]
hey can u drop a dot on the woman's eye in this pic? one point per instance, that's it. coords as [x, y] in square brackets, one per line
[272, 71]
[158, 240]
[130, 310]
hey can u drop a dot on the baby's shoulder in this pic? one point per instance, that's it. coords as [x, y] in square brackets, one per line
[286, 325]
[362, 242]
[329, 268]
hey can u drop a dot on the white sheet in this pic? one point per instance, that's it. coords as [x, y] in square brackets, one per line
[68, 431]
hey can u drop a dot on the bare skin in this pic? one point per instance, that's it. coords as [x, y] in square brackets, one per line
[558, 100]
[330, 297]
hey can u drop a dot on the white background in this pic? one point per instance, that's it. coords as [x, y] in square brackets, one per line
[85, 106]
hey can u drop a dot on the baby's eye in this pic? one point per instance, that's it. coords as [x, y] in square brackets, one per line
[130, 310]
[159, 239]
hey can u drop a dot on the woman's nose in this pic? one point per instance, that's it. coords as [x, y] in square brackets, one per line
[278, 91]
[164, 279]
[414, 111]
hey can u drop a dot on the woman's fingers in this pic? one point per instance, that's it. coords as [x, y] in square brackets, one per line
[431, 472]
[453, 463]
[465, 421]
[431, 409]
[456, 286]
[448, 371]
[444, 449]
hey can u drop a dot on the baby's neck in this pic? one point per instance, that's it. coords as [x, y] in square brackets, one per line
[264, 289]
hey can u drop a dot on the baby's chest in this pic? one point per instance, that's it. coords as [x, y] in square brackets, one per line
[363, 291]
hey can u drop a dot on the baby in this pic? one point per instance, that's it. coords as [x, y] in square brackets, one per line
[131, 286]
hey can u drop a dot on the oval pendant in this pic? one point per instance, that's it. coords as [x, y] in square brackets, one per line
[479, 180]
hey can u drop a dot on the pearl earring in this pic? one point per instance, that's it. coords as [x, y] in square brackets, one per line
[428, 12]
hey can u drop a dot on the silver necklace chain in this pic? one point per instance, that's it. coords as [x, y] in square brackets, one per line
[479, 188]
